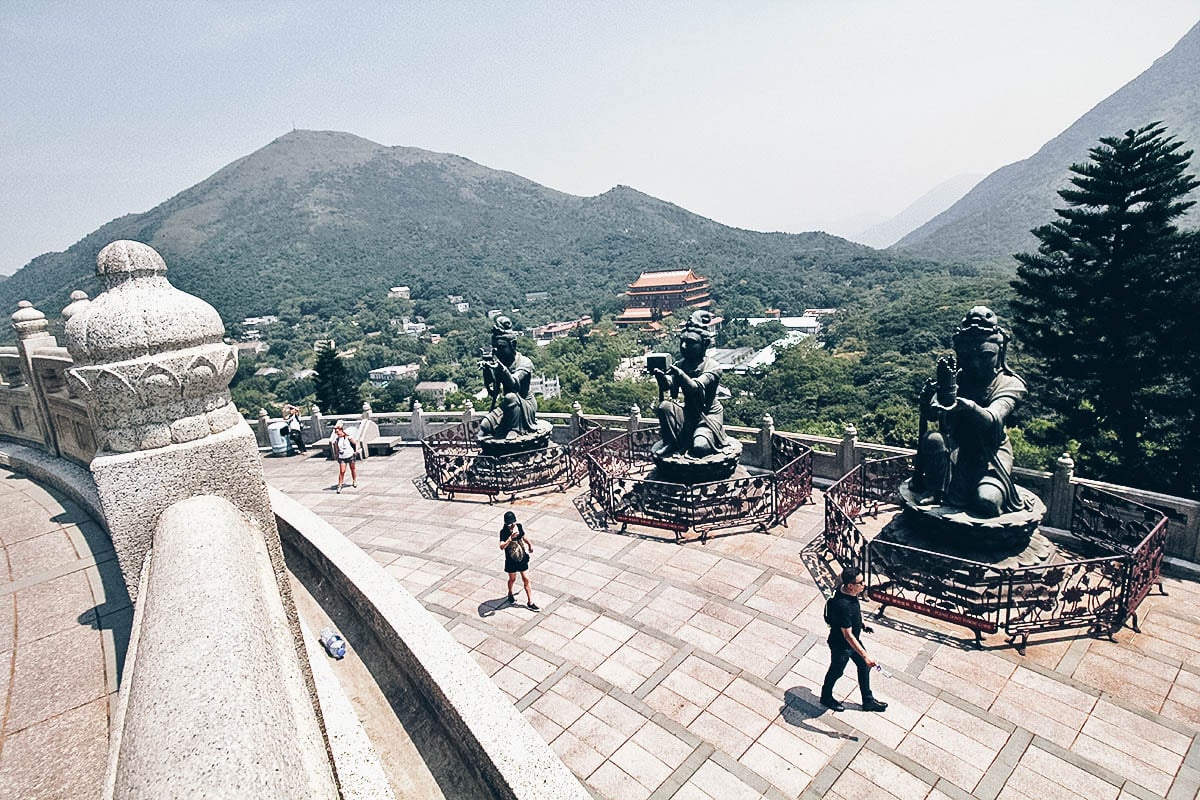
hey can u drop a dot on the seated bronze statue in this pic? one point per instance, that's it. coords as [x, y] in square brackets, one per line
[692, 421]
[506, 376]
[967, 461]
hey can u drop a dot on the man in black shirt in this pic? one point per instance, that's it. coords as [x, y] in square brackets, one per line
[844, 615]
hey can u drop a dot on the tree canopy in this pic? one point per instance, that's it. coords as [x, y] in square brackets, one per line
[1104, 305]
[336, 391]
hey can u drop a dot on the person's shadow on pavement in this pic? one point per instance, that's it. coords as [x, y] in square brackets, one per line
[488, 607]
[800, 705]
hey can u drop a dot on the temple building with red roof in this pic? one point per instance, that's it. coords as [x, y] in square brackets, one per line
[656, 294]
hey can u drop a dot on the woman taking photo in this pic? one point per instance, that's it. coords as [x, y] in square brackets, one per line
[516, 547]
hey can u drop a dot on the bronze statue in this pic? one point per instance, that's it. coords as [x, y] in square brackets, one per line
[506, 376]
[967, 462]
[692, 421]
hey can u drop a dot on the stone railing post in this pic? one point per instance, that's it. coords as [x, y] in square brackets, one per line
[766, 444]
[1062, 493]
[366, 410]
[153, 370]
[576, 420]
[318, 424]
[847, 457]
[264, 438]
[468, 415]
[33, 334]
[418, 421]
[634, 422]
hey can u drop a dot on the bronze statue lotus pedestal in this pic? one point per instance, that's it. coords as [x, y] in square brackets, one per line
[511, 425]
[694, 447]
[961, 498]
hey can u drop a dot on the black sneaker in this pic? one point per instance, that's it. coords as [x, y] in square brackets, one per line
[832, 702]
[533, 607]
[874, 705]
[512, 599]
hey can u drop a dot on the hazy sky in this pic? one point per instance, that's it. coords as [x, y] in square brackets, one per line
[784, 116]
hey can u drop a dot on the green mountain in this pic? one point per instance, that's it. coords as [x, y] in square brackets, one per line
[329, 217]
[993, 220]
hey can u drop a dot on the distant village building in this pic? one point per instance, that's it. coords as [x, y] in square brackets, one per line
[254, 322]
[321, 344]
[399, 293]
[410, 327]
[252, 348]
[656, 294]
[557, 330]
[304, 373]
[266, 371]
[804, 324]
[462, 308]
[493, 313]
[819, 312]
[546, 387]
[437, 390]
[385, 375]
[532, 296]
[454, 299]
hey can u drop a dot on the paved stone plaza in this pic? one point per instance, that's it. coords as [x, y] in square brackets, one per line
[654, 670]
[64, 627]
[658, 670]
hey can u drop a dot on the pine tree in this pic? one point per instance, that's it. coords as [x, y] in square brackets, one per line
[1097, 302]
[335, 393]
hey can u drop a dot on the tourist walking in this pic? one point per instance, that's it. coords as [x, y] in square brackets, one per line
[516, 547]
[295, 431]
[843, 613]
[345, 450]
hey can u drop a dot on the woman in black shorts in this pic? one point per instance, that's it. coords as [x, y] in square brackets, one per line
[516, 547]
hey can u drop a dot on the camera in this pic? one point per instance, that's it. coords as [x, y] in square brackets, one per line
[659, 361]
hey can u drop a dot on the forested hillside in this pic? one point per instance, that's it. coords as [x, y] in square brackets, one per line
[328, 217]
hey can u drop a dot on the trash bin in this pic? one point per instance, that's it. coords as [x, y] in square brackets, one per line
[277, 436]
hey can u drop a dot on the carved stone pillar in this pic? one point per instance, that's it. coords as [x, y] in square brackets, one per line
[1062, 493]
[847, 457]
[634, 422]
[33, 334]
[576, 420]
[153, 370]
[318, 424]
[418, 421]
[766, 444]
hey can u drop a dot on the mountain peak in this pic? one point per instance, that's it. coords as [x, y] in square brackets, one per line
[993, 220]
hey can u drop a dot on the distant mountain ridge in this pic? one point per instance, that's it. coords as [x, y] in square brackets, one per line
[917, 213]
[331, 215]
[993, 220]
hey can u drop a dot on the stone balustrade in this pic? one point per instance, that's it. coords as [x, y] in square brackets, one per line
[212, 669]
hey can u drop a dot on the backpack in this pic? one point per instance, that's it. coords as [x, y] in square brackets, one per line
[827, 614]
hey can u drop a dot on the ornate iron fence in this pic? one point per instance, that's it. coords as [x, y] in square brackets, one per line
[843, 505]
[455, 463]
[616, 480]
[578, 448]
[1099, 593]
[967, 593]
[792, 463]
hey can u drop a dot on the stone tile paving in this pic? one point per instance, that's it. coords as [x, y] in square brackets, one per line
[64, 628]
[657, 670]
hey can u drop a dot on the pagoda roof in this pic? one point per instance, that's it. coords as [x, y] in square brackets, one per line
[674, 277]
[636, 313]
